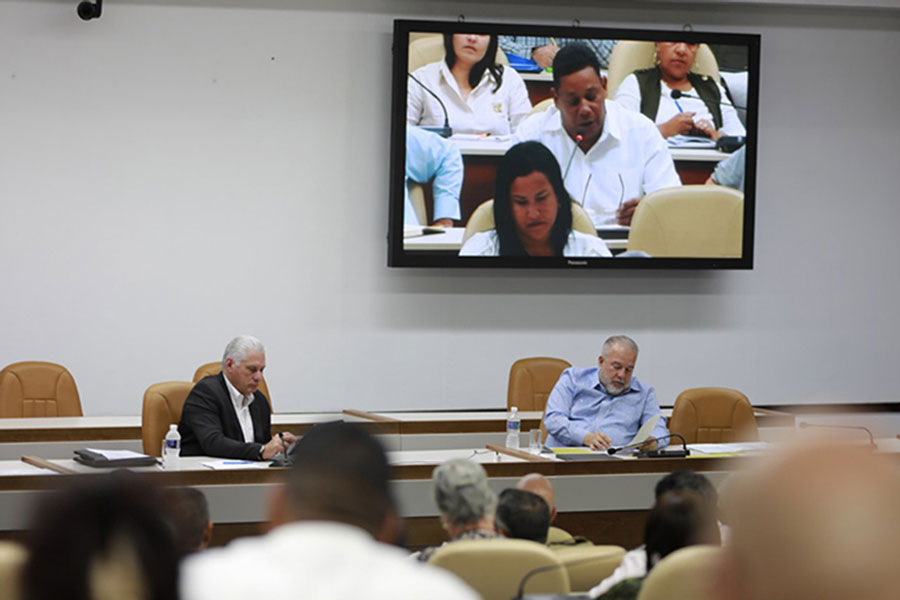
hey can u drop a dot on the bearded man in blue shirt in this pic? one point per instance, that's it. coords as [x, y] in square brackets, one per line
[602, 406]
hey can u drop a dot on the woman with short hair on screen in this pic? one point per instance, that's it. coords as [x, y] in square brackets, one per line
[480, 95]
[702, 106]
[532, 211]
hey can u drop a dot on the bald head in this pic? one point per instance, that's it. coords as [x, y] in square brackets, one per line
[540, 485]
[820, 524]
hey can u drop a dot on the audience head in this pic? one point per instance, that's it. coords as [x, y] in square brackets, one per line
[476, 52]
[616, 362]
[102, 538]
[531, 204]
[244, 362]
[820, 523]
[187, 512]
[675, 59]
[679, 519]
[340, 473]
[463, 496]
[578, 93]
[522, 515]
[686, 479]
[540, 485]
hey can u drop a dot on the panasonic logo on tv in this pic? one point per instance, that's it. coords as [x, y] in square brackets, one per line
[577, 263]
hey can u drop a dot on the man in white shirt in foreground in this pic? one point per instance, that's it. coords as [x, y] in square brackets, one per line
[333, 520]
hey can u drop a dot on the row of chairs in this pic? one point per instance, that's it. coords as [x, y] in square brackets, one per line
[700, 415]
[496, 569]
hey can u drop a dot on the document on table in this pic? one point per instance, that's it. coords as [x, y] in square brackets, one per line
[690, 141]
[231, 465]
[117, 454]
[733, 448]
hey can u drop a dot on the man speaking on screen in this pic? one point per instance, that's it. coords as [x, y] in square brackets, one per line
[602, 406]
[610, 157]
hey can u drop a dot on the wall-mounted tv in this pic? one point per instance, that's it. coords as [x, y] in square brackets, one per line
[572, 147]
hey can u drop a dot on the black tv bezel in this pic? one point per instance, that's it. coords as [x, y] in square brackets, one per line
[398, 257]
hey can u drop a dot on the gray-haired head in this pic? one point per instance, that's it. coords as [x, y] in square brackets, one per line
[619, 340]
[461, 492]
[238, 349]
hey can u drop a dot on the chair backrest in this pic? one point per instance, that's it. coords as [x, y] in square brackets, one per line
[38, 389]
[629, 56]
[541, 106]
[417, 199]
[214, 368]
[163, 403]
[482, 219]
[428, 48]
[686, 574]
[12, 561]
[713, 415]
[558, 535]
[588, 565]
[689, 221]
[531, 380]
[494, 568]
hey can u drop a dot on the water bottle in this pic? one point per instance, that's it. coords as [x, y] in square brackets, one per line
[513, 426]
[171, 448]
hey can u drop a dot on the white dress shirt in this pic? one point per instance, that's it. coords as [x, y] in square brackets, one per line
[628, 95]
[315, 560]
[629, 160]
[487, 243]
[241, 405]
[484, 111]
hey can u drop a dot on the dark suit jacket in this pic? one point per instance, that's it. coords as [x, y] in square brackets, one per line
[210, 427]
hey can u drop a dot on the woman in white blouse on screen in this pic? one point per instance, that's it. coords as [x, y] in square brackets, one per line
[700, 105]
[481, 96]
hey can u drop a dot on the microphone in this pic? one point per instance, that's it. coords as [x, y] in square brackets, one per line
[444, 131]
[806, 425]
[539, 570]
[676, 94]
[579, 137]
[656, 453]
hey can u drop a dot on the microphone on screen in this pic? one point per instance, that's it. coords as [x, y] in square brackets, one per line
[444, 131]
[726, 143]
[660, 453]
[805, 425]
[579, 137]
[677, 94]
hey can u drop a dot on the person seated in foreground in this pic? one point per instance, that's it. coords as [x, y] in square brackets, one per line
[677, 520]
[730, 171]
[480, 95]
[815, 523]
[634, 563]
[532, 211]
[99, 538]
[465, 500]
[610, 156]
[226, 415]
[432, 159]
[522, 515]
[187, 513]
[704, 110]
[603, 406]
[333, 520]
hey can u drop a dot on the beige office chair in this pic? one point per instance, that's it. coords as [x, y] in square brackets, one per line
[531, 380]
[700, 221]
[38, 389]
[686, 574]
[541, 106]
[417, 199]
[628, 56]
[482, 219]
[494, 568]
[429, 48]
[588, 565]
[12, 560]
[163, 403]
[558, 535]
[214, 368]
[713, 415]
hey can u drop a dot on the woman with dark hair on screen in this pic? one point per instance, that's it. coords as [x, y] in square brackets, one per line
[480, 95]
[532, 211]
[702, 106]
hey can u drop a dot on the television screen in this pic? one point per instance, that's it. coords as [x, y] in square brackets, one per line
[569, 147]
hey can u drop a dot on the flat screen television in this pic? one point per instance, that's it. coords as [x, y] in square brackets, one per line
[532, 146]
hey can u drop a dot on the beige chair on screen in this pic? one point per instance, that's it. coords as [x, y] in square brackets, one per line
[428, 48]
[701, 221]
[38, 389]
[713, 415]
[482, 219]
[163, 403]
[541, 106]
[629, 56]
[417, 199]
[214, 368]
[494, 568]
[686, 574]
[588, 565]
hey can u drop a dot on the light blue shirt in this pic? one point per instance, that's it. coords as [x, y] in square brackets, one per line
[730, 171]
[579, 405]
[431, 158]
